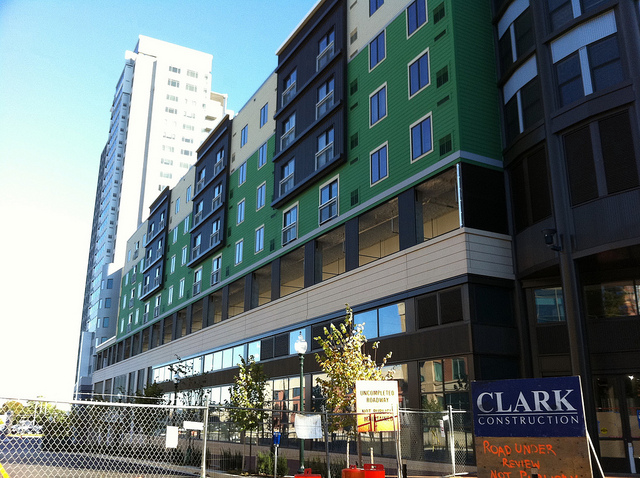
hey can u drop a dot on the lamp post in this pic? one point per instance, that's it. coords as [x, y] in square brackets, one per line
[301, 348]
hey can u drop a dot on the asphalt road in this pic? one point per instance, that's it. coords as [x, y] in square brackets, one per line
[24, 458]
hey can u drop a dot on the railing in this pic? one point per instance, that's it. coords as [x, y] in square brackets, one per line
[325, 56]
[215, 277]
[214, 238]
[324, 155]
[288, 93]
[289, 234]
[287, 138]
[286, 185]
[217, 202]
[219, 166]
[199, 185]
[328, 210]
[324, 104]
[196, 287]
[195, 252]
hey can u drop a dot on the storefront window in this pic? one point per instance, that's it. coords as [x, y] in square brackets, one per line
[613, 299]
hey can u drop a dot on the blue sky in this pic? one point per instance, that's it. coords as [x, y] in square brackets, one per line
[59, 64]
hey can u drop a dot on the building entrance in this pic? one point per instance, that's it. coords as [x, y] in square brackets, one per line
[618, 414]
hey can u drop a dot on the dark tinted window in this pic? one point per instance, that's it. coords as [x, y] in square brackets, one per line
[605, 64]
[560, 13]
[617, 153]
[582, 177]
[569, 76]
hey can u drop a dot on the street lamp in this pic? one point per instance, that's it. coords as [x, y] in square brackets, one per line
[301, 348]
[176, 381]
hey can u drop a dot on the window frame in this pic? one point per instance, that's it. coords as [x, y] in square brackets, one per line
[239, 252]
[264, 115]
[293, 225]
[386, 111]
[419, 25]
[241, 211]
[384, 145]
[262, 155]
[374, 6]
[376, 40]
[259, 229]
[244, 135]
[428, 116]
[261, 194]
[216, 261]
[242, 174]
[415, 61]
[332, 199]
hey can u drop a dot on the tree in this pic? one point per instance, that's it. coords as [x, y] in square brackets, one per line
[248, 398]
[344, 360]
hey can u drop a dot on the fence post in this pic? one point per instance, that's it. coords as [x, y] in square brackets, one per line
[203, 471]
[326, 439]
[452, 441]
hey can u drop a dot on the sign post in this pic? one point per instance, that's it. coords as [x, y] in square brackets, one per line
[530, 427]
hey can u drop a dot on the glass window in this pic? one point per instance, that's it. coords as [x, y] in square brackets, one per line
[379, 164]
[253, 349]
[290, 225]
[242, 173]
[264, 115]
[324, 152]
[416, 15]
[236, 297]
[605, 64]
[369, 321]
[259, 239]
[612, 299]
[326, 49]
[549, 305]
[419, 74]
[374, 5]
[329, 201]
[569, 77]
[330, 254]
[262, 155]
[378, 105]
[287, 181]
[244, 135]
[261, 196]
[289, 87]
[240, 215]
[421, 138]
[239, 247]
[292, 272]
[261, 292]
[378, 232]
[325, 97]
[391, 320]
[289, 131]
[560, 12]
[376, 50]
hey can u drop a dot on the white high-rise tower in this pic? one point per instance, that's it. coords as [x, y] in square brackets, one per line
[162, 110]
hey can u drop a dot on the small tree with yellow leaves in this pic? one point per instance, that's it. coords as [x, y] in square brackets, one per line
[345, 360]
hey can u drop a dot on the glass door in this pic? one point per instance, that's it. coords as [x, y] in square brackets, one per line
[618, 415]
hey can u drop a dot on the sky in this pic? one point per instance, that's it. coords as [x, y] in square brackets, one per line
[60, 61]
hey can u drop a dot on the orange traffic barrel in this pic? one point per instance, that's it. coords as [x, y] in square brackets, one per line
[352, 472]
[373, 470]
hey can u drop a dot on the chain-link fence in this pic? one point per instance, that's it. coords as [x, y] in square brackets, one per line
[107, 439]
